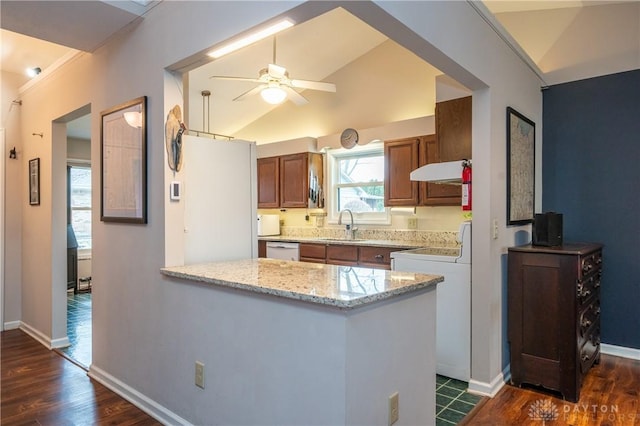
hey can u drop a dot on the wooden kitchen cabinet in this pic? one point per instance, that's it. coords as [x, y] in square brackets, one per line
[262, 248]
[294, 180]
[339, 254]
[400, 159]
[436, 194]
[375, 257]
[554, 315]
[453, 129]
[268, 183]
[312, 252]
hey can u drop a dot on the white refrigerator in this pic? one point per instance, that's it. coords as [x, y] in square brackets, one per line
[220, 199]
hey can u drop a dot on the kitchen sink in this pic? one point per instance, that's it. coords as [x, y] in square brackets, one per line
[340, 240]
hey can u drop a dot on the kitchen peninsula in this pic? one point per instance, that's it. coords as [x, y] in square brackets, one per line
[305, 343]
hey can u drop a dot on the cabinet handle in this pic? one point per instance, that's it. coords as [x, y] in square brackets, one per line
[586, 323]
[585, 357]
[379, 256]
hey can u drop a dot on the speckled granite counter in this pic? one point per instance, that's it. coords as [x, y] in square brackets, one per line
[338, 286]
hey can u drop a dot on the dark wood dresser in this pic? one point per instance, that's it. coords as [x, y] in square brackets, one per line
[554, 315]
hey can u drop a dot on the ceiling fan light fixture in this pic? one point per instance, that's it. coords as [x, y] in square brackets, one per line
[251, 38]
[273, 95]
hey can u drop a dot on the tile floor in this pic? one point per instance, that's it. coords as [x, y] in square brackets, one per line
[453, 402]
[79, 328]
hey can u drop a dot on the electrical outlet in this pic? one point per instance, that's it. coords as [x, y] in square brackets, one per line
[394, 408]
[200, 374]
[494, 229]
[412, 223]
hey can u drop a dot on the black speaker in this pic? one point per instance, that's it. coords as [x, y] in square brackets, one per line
[547, 229]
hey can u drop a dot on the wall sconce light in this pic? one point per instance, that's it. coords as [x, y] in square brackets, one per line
[13, 155]
[32, 72]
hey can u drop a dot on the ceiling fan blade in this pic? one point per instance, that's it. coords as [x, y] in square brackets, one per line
[225, 77]
[314, 85]
[250, 92]
[294, 96]
[276, 71]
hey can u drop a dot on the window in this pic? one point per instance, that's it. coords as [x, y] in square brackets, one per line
[356, 182]
[80, 200]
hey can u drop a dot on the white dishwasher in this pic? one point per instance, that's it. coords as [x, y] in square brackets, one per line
[453, 302]
[284, 251]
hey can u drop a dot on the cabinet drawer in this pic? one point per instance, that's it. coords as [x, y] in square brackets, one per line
[317, 251]
[375, 256]
[589, 318]
[342, 254]
[588, 287]
[590, 350]
[590, 264]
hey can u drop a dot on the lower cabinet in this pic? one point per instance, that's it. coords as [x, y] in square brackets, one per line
[347, 254]
[554, 315]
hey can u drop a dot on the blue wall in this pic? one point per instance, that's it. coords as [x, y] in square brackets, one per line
[591, 174]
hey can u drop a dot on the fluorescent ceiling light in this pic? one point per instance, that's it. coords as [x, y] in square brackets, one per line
[251, 38]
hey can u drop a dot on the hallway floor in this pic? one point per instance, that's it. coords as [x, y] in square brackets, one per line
[79, 328]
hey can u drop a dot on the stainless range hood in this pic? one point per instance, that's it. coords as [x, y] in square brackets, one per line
[449, 172]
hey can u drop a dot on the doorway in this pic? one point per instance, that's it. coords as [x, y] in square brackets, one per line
[79, 240]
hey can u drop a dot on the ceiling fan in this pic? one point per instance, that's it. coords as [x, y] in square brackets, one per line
[276, 86]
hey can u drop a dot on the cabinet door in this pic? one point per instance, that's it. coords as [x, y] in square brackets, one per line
[310, 252]
[375, 257]
[453, 129]
[400, 159]
[436, 194]
[262, 248]
[346, 255]
[294, 183]
[268, 182]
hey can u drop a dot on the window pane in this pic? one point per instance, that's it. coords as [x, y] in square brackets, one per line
[362, 169]
[81, 223]
[80, 179]
[369, 198]
[80, 187]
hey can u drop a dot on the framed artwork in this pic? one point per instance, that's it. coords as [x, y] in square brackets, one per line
[520, 168]
[123, 161]
[34, 182]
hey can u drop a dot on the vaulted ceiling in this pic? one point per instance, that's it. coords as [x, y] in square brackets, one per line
[567, 40]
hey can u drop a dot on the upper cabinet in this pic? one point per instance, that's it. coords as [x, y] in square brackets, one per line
[291, 181]
[400, 158]
[452, 142]
[453, 129]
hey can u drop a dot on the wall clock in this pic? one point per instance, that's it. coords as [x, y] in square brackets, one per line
[349, 138]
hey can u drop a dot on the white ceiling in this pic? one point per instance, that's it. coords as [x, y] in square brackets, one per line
[567, 40]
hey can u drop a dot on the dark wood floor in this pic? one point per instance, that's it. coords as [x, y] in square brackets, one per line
[610, 395]
[40, 387]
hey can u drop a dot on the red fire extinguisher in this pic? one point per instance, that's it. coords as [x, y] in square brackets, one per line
[466, 185]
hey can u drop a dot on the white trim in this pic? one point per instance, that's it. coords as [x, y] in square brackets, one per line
[2, 229]
[146, 404]
[11, 325]
[620, 351]
[44, 340]
[490, 389]
[46, 73]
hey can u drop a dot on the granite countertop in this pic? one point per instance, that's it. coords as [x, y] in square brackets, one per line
[400, 244]
[343, 287]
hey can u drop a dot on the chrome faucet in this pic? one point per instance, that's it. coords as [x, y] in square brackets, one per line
[350, 230]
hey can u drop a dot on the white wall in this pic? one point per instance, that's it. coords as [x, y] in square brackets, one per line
[14, 199]
[144, 327]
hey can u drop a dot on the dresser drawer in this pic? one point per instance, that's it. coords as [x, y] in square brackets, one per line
[375, 256]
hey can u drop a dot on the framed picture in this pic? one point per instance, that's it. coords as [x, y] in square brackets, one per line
[123, 161]
[521, 137]
[34, 182]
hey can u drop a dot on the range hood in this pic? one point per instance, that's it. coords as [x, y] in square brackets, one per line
[448, 172]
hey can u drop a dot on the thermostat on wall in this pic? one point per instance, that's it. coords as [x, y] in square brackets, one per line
[175, 190]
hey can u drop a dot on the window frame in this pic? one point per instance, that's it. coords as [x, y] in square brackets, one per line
[333, 157]
[83, 164]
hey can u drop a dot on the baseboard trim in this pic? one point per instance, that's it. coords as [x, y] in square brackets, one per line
[149, 406]
[44, 340]
[620, 351]
[11, 325]
[492, 388]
